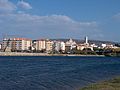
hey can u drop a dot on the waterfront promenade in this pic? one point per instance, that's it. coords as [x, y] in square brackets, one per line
[22, 54]
[39, 54]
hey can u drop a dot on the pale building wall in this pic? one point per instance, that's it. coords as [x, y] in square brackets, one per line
[26, 44]
[49, 45]
[17, 44]
[80, 47]
[0, 46]
[40, 44]
[63, 46]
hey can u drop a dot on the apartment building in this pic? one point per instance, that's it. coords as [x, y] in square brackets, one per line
[16, 44]
[40, 44]
[49, 46]
[59, 46]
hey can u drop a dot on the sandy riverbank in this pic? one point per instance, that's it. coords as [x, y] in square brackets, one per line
[22, 54]
[113, 84]
[39, 54]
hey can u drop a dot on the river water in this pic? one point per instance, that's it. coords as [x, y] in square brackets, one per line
[55, 73]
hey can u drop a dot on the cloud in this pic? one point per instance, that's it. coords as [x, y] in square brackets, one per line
[24, 5]
[117, 16]
[53, 26]
[6, 6]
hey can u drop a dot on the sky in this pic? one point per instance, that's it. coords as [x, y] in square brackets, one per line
[97, 19]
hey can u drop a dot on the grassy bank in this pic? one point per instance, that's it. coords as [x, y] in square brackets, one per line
[113, 84]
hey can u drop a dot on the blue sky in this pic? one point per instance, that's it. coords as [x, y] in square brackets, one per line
[98, 19]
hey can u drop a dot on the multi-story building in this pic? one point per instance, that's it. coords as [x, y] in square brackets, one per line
[58, 46]
[43, 45]
[15, 44]
[49, 46]
[0, 46]
[70, 45]
[40, 44]
[62, 45]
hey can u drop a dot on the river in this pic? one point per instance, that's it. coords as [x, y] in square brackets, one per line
[55, 72]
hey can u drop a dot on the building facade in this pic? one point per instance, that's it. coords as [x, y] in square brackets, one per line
[40, 44]
[49, 46]
[70, 45]
[58, 46]
[15, 44]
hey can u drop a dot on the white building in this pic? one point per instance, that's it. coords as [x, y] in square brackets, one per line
[86, 45]
[108, 46]
[58, 45]
[83, 46]
[40, 44]
[80, 46]
[103, 45]
[0, 46]
[62, 45]
[70, 45]
[94, 45]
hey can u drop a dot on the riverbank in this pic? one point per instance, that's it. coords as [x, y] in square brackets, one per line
[22, 54]
[113, 84]
[39, 54]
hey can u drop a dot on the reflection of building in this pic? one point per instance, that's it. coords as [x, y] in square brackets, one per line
[16, 44]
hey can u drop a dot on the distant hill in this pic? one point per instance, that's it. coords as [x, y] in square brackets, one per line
[97, 42]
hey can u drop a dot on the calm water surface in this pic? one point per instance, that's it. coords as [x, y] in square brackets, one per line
[55, 73]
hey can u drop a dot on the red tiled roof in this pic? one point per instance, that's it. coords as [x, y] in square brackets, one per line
[22, 39]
